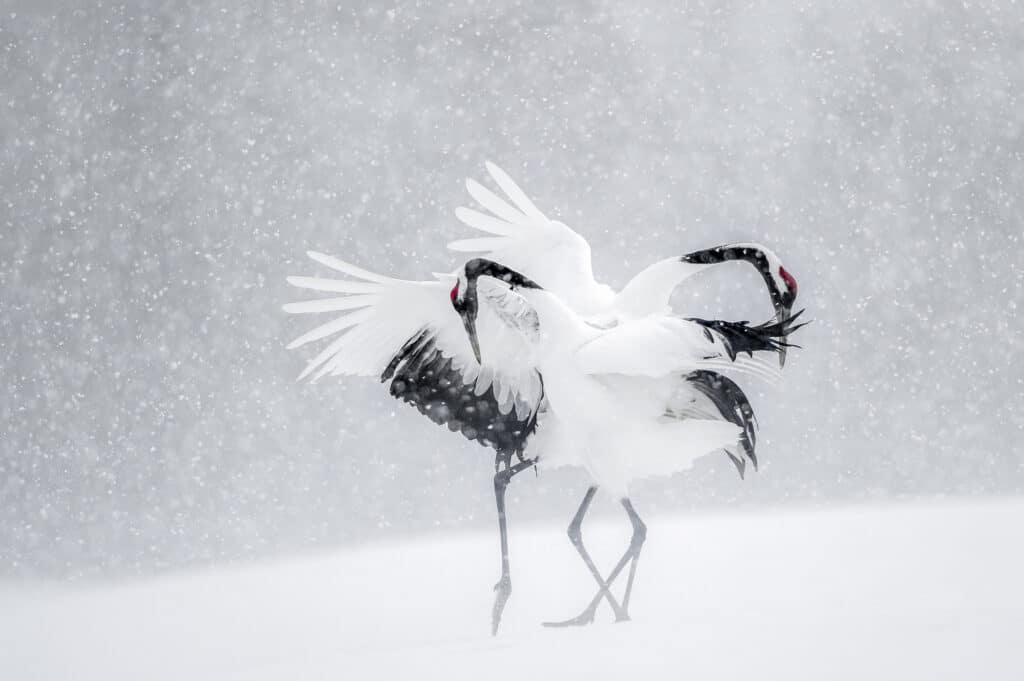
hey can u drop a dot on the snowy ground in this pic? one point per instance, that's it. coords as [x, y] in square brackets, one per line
[893, 592]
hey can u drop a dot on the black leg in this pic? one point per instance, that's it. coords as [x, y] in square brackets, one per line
[631, 556]
[503, 589]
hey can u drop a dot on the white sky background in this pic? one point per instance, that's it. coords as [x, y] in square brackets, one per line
[164, 167]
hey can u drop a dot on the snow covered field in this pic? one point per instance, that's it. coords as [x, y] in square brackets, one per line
[888, 592]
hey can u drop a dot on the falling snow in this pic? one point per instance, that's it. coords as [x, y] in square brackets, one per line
[164, 166]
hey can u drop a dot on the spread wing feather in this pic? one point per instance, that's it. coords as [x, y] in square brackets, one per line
[521, 237]
[408, 334]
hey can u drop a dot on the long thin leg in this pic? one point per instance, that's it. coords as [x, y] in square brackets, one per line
[631, 556]
[635, 544]
[576, 537]
[503, 589]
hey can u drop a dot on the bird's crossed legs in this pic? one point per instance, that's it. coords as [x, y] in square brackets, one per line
[503, 589]
[631, 556]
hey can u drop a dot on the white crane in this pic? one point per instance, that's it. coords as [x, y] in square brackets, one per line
[551, 253]
[407, 333]
[627, 399]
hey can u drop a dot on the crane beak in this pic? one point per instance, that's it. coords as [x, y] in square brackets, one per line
[471, 332]
[783, 303]
[468, 313]
[783, 315]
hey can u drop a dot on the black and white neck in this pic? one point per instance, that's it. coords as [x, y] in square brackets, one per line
[781, 284]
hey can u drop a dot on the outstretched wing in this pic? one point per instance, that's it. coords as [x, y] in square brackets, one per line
[408, 334]
[520, 236]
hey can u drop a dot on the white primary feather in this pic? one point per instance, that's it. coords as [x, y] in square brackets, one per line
[381, 314]
[523, 238]
[520, 236]
[331, 304]
[330, 328]
[489, 200]
[333, 285]
[348, 268]
[485, 223]
[518, 196]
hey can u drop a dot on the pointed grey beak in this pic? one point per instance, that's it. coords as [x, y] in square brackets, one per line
[783, 315]
[470, 325]
[468, 314]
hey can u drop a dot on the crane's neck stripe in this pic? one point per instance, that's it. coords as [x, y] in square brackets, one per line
[720, 254]
[749, 253]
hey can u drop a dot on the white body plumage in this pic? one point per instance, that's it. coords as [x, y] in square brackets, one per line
[610, 392]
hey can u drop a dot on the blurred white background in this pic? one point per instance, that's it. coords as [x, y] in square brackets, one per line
[163, 167]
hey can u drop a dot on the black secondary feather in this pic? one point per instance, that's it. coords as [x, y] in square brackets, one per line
[421, 376]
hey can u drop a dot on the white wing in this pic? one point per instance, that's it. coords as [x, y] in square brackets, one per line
[649, 292]
[390, 326]
[659, 346]
[523, 238]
